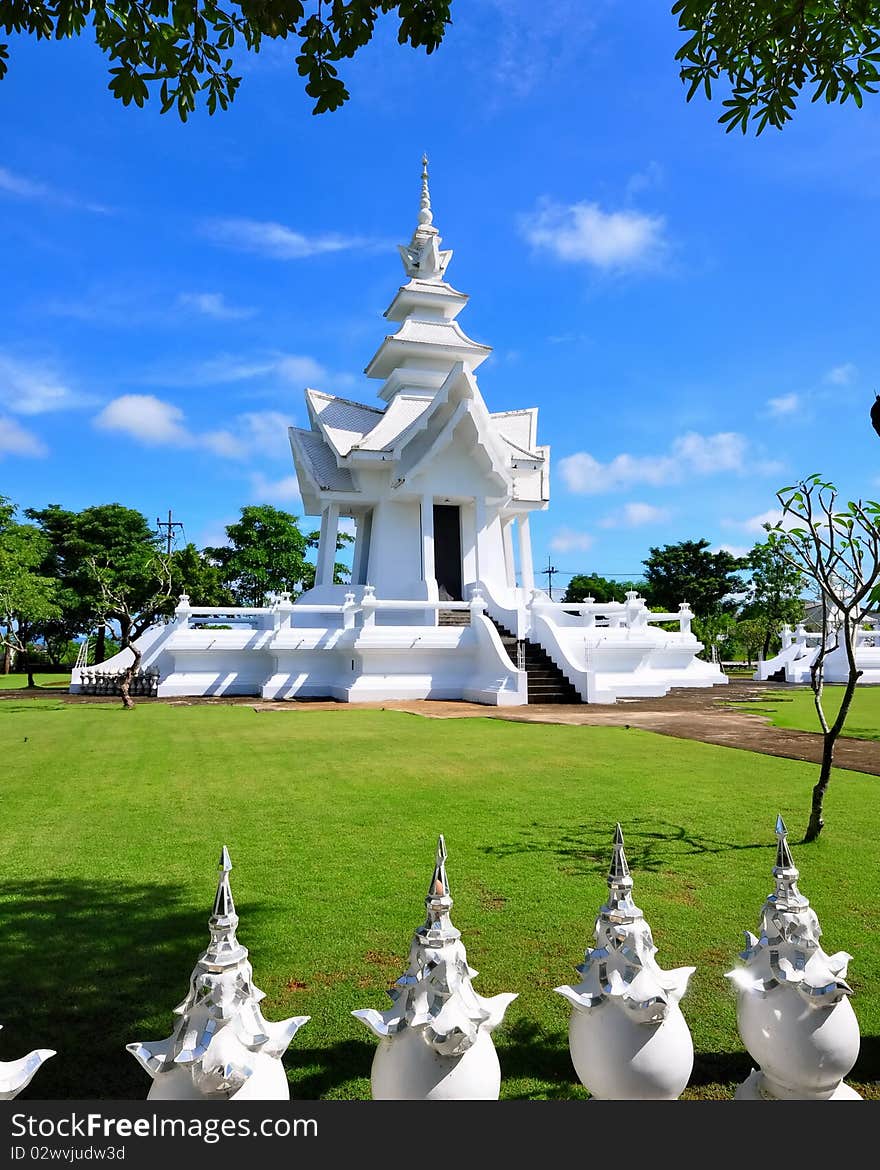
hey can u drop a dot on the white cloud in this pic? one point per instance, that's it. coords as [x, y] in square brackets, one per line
[842, 375]
[689, 454]
[635, 514]
[146, 418]
[274, 491]
[33, 388]
[293, 369]
[784, 404]
[756, 523]
[567, 540]
[15, 440]
[735, 550]
[152, 421]
[582, 233]
[22, 188]
[214, 305]
[276, 240]
[260, 433]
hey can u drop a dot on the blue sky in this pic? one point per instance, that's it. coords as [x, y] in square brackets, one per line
[694, 313]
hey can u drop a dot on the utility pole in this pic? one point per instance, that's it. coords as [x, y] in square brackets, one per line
[548, 573]
[169, 525]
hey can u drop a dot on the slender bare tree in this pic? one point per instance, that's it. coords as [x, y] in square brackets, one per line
[838, 549]
[134, 602]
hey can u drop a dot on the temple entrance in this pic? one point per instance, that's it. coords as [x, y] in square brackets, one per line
[447, 551]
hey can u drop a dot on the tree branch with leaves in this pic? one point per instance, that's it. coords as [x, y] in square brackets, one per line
[839, 550]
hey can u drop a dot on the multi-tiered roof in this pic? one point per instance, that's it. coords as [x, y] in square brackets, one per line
[428, 384]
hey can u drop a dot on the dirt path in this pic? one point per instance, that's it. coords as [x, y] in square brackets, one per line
[710, 716]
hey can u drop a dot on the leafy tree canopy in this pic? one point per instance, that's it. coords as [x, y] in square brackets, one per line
[183, 48]
[774, 593]
[766, 51]
[689, 572]
[601, 589]
[770, 50]
[266, 554]
[27, 598]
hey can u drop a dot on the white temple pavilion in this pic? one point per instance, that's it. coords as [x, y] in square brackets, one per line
[442, 601]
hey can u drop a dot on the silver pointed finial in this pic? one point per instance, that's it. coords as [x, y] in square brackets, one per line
[439, 882]
[784, 859]
[619, 865]
[426, 216]
[224, 907]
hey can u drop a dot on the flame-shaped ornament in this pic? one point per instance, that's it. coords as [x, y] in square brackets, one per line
[435, 1042]
[16, 1075]
[792, 1006]
[222, 1048]
[627, 1036]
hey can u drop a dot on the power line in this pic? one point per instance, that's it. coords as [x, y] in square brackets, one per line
[549, 573]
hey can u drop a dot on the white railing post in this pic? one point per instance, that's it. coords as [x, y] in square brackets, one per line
[348, 612]
[588, 615]
[283, 612]
[368, 604]
[785, 634]
[478, 602]
[182, 612]
[685, 617]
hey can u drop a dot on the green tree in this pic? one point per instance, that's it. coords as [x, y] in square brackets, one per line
[193, 573]
[689, 572]
[108, 537]
[27, 598]
[267, 554]
[838, 550]
[132, 593]
[584, 585]
[184, 49]
[770, 50]
[775, 592]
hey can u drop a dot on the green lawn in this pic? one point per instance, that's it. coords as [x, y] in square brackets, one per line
[13, 682]
[795, 709]
[112, 823]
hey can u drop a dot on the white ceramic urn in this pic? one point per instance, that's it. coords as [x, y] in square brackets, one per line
[627, 1036]
[222, 1048]
[435, 1042]
[793, 1008]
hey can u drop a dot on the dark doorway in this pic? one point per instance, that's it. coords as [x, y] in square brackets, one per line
[447, 550]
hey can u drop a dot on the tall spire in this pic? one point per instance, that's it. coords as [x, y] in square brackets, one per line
[426, 215]
[224, 950]
[422, 257]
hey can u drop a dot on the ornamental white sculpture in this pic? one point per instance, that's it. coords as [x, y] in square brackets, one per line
[793, 1008]
[222, 1048]
[627, 1037]
[16, 1075]
[435, 1043]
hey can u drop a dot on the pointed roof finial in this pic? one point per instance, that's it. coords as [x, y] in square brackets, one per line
[783, 853]
[224, 907]
[426, 216]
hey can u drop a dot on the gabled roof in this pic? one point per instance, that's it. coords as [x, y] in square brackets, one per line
[342, 422]
[319, 462]
[519, 428]
[402, 412]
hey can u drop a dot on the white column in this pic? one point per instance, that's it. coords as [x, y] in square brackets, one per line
[525, 552]
[509, 562]
[358, 556]
[327, 545]
[479, 537]
[428, 564]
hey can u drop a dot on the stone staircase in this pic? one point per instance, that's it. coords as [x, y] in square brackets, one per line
[453, 617]
[547, 683]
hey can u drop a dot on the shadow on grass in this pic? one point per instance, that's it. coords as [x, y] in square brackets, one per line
[650, 845]
[86, 967]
